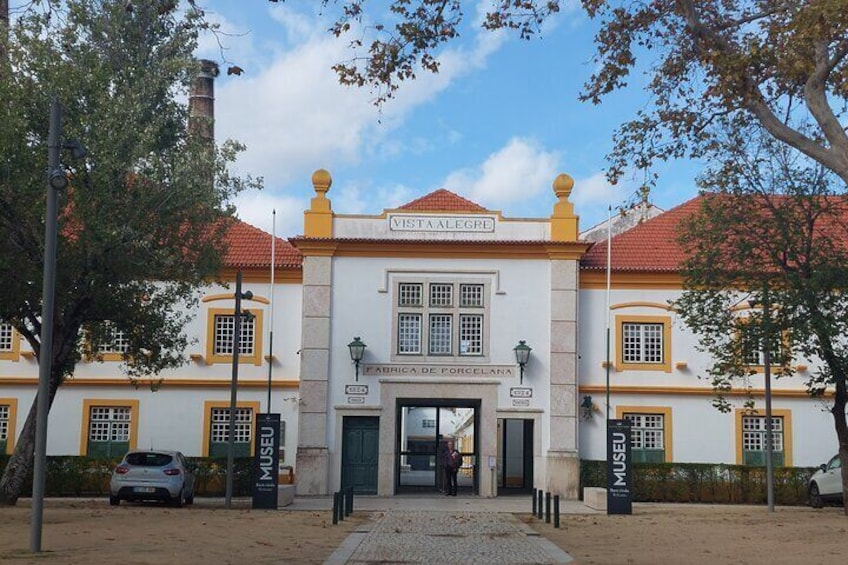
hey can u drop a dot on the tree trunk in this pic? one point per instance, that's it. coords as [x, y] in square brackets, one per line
[20, 463]
[839, 402]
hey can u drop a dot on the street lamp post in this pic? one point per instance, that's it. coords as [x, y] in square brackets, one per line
[767, 392]
[522, 355]
[56, 181]
[234, 387]
[357, 350]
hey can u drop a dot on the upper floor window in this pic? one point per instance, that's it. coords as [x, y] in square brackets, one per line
[643, 343]
[441, 319]
[7, 335]
[219, 347]
[9, 342]
[753, 352]
[428, 423]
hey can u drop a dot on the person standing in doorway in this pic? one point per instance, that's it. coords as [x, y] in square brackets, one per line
[452, 465]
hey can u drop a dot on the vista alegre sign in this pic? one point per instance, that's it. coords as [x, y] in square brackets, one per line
[431, 223]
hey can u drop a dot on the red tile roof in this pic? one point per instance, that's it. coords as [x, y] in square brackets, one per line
[442, 200]
[649, 246]
[248, 246]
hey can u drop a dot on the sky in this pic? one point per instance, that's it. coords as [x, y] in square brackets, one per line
[496, 125]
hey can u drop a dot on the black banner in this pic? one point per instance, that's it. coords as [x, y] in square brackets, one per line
[619, 469]
[266, 461]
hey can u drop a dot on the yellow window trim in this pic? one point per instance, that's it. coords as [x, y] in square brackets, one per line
[211, 358]
[14, 354]
[620, 365]
[787, 431]
[207, 420]
[88, 403]
[12, 403]
[760, 369]
[664, 410]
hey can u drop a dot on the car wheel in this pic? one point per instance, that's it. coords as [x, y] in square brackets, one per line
[815, 496]
[178, 501]
[190, 499]
[114, 500]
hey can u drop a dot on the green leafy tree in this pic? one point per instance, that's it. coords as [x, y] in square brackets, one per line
[780, 64]
[767, 267]
[141, 224]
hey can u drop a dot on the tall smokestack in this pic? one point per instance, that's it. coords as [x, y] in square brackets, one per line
[201, 101]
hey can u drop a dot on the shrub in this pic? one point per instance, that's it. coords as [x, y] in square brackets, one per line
[705, 482]
[83, 476]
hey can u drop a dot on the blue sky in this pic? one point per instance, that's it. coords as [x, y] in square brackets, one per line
[496, 125]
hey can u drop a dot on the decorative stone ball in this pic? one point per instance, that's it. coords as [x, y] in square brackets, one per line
[321, 180]
[563, 185]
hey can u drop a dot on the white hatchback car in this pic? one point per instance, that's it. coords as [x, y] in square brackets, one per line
[826, 483]
[153, 475]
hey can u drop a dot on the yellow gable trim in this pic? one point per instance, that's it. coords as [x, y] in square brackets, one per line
[214, 297]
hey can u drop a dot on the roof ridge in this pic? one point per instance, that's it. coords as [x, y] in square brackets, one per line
[442, 200]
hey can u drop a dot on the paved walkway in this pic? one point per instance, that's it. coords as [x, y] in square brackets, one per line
[447, 536]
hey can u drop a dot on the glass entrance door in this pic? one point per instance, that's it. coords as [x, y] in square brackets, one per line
[425, 427]
[515, 455]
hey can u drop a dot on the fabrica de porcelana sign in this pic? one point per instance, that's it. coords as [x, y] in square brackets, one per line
[439, 370]
[408, 222]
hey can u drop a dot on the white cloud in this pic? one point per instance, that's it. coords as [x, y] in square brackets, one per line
[520, 169]
[295, 117]
[592, 196]
[256, 208]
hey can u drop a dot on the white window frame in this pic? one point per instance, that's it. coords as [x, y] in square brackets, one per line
[463, 304]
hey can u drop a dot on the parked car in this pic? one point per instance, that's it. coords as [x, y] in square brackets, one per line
[826, 483]
[153, 475]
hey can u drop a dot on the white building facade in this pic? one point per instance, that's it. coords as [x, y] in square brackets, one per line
[441, 291]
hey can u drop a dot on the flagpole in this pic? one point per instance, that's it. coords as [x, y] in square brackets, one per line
[609, 270]
[271, 321]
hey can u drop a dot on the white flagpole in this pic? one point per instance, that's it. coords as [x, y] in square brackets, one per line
[609, 270]
[271, 308]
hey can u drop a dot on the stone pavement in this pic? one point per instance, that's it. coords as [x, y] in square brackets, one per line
[447, 536]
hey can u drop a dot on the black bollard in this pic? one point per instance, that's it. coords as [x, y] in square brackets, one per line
[342, 506]
[556, 511]
[349, 502]
[534, 502]
[539, 504]
[547, 508]
[335, 508]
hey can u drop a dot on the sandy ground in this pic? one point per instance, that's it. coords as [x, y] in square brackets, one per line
[93, 532]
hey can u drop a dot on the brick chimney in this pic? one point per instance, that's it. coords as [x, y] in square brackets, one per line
[201, 101]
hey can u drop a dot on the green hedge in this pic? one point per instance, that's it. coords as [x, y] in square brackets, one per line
[83, 476]
[705, 482]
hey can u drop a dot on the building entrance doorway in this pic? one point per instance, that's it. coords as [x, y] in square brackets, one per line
[360, 445]
[515, 455]
[425, 427]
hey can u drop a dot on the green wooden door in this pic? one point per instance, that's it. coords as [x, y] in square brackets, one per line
[360, 442]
